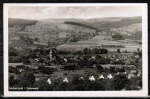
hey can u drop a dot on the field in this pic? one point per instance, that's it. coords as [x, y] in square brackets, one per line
[49, 25]
[117, 66]
[98, 41]
[20, 22]
[129, 29]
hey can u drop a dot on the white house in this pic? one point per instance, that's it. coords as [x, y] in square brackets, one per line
[138, 74]
[65, 59]
[109, 76]
[101, 77]
[37, 79]
[49, 81]
[92, 78]
[65, 80]
[36, 59]
[20, 70]
[93, 56]
[130, 75]
[81, 78]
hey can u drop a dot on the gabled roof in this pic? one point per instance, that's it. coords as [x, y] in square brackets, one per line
[49, 81]
[101, 77]
[92, 78]
[65, 80]
[109, 76]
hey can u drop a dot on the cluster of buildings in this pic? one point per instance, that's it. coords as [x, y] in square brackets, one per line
[92, 78]
[127, 58]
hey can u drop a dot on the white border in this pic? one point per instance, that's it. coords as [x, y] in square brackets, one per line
[143, 92]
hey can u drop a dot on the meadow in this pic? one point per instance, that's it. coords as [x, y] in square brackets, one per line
[98, 41]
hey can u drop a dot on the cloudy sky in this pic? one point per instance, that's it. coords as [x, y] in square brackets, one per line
[86, 12]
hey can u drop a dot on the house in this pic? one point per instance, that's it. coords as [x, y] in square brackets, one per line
[94, 66]
[125, 72]
[136, 56]
[117, 73]
[109, 76]
[130, 76]
[49, 81]
[36, 59]
[139, 71]
[101, 77]
[138, 74]
[81, 78]
[92, 78]
[93, 57]
[65, 59]
[133, 71]
[37, 79]
[21, 70]
[65, 80]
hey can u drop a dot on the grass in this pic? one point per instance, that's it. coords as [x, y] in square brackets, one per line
[98, 41]
[130, 28]
[117, 66]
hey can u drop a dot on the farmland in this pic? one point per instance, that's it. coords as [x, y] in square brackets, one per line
[98, 41]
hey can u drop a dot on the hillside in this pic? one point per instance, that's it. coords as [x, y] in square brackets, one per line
[138, 35]
[98, 23]
[81, 25]
[123, 22]
[21, 22]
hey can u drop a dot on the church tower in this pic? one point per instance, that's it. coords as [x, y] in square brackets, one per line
[50, 53]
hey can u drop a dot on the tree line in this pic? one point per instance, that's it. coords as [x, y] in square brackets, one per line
[119, 82]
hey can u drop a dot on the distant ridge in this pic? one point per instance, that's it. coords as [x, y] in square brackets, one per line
[91, 18]
[92, 23]
[14, 21]
[122, 22]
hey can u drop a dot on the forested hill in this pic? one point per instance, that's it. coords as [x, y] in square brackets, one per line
[99, 23]
[81, 25]
[138, 35]
[123, 22]
[21, 22]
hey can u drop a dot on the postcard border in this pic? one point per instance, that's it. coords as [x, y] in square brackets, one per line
[143, 92]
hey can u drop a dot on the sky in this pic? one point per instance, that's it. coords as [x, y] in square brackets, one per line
[80, 12]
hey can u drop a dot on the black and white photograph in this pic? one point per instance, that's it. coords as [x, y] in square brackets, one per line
[75, 49]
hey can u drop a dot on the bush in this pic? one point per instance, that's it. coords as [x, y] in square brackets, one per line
[12, 81]
[12, 53]
[118, 50]
[119, 82]
[43, 85]
[118, 37]
[29, 76]
[26, 61]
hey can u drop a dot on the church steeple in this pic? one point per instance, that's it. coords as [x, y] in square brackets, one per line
[50, 53]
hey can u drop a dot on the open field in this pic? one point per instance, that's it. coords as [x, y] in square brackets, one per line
[98, 41]
[20, 22]
[117, 66]
[49, 25]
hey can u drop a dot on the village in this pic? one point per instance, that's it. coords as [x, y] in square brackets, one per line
[37, 59]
